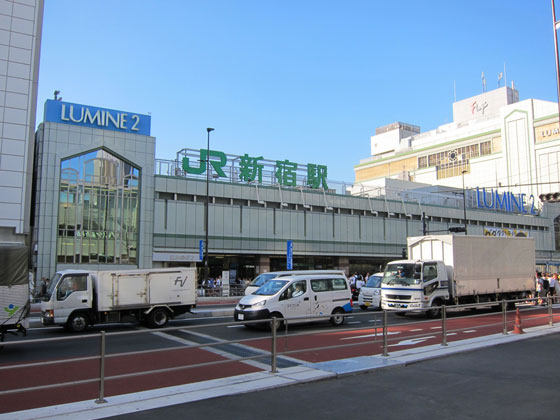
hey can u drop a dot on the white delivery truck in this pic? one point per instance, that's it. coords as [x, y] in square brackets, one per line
[14, 289]
[78, 298]
[457, 269]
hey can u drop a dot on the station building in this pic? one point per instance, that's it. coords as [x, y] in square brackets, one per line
[103, 201]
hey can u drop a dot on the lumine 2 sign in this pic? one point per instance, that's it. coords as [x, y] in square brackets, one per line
[507, 201]
[93, 117]
[251, 169]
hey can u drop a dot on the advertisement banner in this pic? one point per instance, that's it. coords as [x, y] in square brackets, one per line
[490, 231]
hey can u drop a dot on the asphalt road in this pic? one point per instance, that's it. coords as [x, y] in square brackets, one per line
[511, 381]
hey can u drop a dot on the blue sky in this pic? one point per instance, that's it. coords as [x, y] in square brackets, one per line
[304, 80]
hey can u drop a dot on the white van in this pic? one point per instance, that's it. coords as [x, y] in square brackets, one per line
[370, 293]
[300, 296]
[264, 277]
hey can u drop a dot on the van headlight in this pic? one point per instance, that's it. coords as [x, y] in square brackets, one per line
[259, 304]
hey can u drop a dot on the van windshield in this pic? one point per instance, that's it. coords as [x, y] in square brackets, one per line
[271, 287]
[262, 279]
[398, 273]
[374, 281]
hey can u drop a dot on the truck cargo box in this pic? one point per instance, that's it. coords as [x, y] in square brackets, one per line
[480, 264]
[139, 288]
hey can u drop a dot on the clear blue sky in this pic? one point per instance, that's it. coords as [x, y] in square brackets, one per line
[304, 80]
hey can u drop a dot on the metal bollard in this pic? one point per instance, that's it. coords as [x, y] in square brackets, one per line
[101, 398]
[504, 312]
[273, 349]
[385, 353]
[443, 326]
[550, 321]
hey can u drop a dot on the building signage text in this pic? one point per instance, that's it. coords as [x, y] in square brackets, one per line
[507, 201]
[251, 169]
[93, 117]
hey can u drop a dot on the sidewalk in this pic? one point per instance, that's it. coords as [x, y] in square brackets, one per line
[305, 373]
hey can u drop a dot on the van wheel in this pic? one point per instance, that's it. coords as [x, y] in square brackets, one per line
[77, 322]
[158, 318]
[337, 317]
[279, 324]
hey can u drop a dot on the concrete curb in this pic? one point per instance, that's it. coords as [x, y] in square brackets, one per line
[310, 372]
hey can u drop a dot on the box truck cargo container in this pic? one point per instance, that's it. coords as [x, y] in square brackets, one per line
[78, 298]
[456, 269]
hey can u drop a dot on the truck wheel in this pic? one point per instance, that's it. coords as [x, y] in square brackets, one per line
[363, 307]
[435, 312]
[77, 322]
[158, 318]
[337, 318]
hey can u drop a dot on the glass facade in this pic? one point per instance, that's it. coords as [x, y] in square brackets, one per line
[98, 210]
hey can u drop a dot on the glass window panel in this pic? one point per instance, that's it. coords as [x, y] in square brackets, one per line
[98, 209]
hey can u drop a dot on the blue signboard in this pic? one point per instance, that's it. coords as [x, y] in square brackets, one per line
[290, 255]
[200, 248]
[93, 117]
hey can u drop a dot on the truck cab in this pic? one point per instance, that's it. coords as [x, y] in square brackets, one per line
[410, 285]
[69, 298]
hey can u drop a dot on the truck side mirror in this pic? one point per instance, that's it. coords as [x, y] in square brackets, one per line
[416, 275]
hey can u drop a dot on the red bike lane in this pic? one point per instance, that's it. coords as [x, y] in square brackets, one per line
[345, 343]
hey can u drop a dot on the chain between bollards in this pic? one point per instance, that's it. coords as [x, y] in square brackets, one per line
[101, 398]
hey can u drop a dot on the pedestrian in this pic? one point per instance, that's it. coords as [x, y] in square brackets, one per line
[538, 288]
[359, 283]
[553, 281]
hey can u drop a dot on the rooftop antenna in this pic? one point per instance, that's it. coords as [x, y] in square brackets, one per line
[483, 83]
[500, 76]
[56, 93]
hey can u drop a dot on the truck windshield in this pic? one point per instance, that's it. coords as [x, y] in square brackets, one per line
[271, 287]
[401, 274]
[52, 285]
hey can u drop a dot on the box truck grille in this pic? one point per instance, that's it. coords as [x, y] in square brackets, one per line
[398, 297]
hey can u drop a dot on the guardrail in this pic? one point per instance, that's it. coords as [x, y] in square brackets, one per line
[275, 329]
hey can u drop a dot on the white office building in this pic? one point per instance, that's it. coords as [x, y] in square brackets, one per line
[20, 42]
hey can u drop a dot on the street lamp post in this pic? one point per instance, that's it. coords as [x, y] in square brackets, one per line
[206, 269]
[464, 200]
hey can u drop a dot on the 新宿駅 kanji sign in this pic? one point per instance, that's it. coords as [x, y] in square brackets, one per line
[250, 169]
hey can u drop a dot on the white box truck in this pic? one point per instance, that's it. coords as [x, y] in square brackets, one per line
[14, 289]
[457, 269]
[78, 298]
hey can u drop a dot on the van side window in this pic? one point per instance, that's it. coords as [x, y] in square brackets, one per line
[320, 285]
[339, 284]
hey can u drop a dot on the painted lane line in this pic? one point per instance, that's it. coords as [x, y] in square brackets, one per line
[436, 328]
[370, 335]
[417, 329]
[216, 351]
[469, 331]
[412, 342]
[243, 347]
[354, 322]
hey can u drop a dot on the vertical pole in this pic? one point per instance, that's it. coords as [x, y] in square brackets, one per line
[444, 325]
[273, 349]
[464, 201]
[385, 352]
[550, 321]
[101, 398]
[504, 312]
[206, 268]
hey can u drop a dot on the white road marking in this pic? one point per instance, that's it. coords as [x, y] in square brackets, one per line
[469, 331]
[412, 341]
[370, 335]
[436, 328]
[417, 329]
